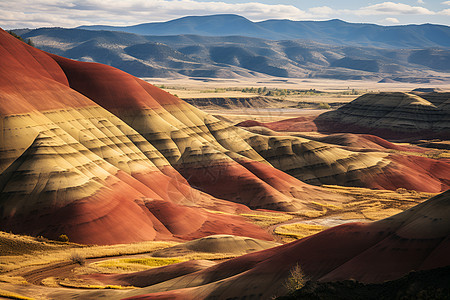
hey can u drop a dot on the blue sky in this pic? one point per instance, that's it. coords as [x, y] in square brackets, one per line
[72, 13]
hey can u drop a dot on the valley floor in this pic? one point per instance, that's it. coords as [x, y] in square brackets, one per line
[39, 268]
[42, 269]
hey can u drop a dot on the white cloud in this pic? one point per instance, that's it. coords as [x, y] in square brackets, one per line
[391, 20]
[41, 13]
[391, 8]
[445, 12]
[127, 12]
[324, 11]
[420, 1]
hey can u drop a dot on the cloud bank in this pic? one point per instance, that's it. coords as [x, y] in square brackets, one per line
[43, 13]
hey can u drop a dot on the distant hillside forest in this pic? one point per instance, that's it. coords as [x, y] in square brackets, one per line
[28, 41]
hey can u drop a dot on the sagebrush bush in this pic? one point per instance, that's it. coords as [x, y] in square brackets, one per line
[76, 258]
[296, 279]
[63, 238]
[324, 105]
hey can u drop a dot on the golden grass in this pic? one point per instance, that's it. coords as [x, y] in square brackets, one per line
[266, 219]
[136, 264]
[65, 253]
[431, 153]
[11, 295]
[311, 214]
[362, 204]
[121, 267]
[283, 83]
[95, 286]
[13, 279]
[17, 244]
[236, 92]
[375, 214]
[298, 230]
[381, 200]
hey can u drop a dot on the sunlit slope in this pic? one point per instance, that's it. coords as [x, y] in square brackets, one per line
[390, 115]
[321, 163]
[219, 243]
[70, 166]
[209, 153]
[417, 239]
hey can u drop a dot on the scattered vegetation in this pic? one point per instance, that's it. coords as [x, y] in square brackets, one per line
[275, 92]
[352, 92]
[28, 41]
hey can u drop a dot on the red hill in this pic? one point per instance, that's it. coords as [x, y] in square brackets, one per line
[417, 239]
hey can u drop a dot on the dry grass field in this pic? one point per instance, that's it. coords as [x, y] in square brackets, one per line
[39, 266]
[332, 85]
[324, 93]
[32, 267]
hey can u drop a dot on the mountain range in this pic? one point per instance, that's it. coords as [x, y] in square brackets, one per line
[241, 56]
[334, 32]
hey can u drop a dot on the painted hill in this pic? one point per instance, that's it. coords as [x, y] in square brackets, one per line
[220, 243]
[321, 163]
[331, 32]
[239, 56]
[92, 152]
[70, 166]
[416, 239]
[105, 148]
[390, 115]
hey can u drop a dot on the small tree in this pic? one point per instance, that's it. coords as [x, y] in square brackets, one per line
[28, 41]
[296, 279]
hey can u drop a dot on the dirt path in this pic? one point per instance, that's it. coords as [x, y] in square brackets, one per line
[63, 269]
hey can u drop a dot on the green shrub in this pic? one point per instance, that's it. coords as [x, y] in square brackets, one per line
[63, 238]
[28, 41]
[323, 106]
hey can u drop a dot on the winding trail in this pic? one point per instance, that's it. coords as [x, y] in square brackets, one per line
[63, 269]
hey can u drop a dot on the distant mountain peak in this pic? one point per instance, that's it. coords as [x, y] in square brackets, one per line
[334, 31]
